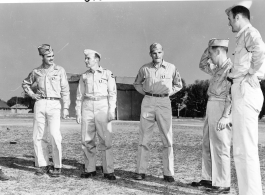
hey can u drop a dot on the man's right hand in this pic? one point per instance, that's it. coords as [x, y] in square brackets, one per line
[78, 119]
[36, 96]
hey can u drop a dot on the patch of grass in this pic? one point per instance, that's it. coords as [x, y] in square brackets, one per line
[17, 161]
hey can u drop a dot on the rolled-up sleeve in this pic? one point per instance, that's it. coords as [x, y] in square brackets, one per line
[65, 92]
[80, 92]
[256, 46]
[177, 83]
[27, 83]
[138, 83]
[112, 92]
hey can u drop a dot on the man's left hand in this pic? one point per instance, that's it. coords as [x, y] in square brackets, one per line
[221, 125]
[65, 113]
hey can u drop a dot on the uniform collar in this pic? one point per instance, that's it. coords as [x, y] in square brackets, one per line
[164, 64]
[54, 66]
[226, 63]
[243, 29]
[100, 69]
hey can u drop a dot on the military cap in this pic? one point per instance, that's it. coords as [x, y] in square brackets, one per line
[44, 49]
[218, 42]
[90, 51]
[155, 46]
[246, 4]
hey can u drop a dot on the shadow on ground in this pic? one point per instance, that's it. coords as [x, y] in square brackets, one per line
[73, 169]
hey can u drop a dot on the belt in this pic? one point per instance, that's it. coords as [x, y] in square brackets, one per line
[96, 98]
[212, 98]
[156, 95]
[50, 98]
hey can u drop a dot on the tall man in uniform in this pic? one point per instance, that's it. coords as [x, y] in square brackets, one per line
[247, 97]
[52, 85]
[216, 132]
[95, 109]
[156, 80]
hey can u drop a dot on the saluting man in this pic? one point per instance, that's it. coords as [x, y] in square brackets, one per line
[216, 131]
[95, 109]
[247, 97]
[52, 85]
[156, 80]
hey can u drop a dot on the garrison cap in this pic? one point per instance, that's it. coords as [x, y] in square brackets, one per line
[218, 42]
[90, 51]
[246, 4]
[155, 46]
[45, 49]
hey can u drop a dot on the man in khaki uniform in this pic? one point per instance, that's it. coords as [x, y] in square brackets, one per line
[247, 97]
[216, 132]
[156, 80]
[52, 85]
[95, 109]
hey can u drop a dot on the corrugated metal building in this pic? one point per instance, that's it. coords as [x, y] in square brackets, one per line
[128, 99]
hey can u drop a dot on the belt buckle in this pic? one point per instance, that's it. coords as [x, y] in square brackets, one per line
[48, 98]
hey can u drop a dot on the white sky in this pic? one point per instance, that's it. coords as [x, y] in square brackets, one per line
[120, 31]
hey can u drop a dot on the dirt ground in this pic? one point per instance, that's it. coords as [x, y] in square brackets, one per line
[17, 161]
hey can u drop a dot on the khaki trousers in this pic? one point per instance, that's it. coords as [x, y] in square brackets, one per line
[47, 115]
[155, 109]
[216, 147]
[245, 109]
[95, 121]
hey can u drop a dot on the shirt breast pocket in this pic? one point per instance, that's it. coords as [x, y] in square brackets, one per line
[40, 81]
[241, 54]
[88, 85]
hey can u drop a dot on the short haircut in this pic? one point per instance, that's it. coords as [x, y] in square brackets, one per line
[221, 47]
[240, 10]
[97, 56]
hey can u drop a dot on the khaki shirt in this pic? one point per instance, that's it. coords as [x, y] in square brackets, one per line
[162, 80]
[249, 54]
[51, 82]
[219, 86]
[95, 84]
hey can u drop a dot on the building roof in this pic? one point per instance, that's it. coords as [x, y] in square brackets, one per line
[3, 105]
[125, 80]
[19, 106]
[73, 77]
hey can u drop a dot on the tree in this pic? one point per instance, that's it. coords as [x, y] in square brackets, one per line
[26, 100]
[178, 101]
[197, 98]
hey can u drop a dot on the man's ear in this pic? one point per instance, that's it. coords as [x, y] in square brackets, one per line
[238, 16]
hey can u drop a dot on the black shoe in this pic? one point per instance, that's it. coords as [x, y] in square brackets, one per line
[139, 176]
[3, 177]
[99, 168]
[56, 172]
[42, 170]
[110, 176]
[219, 190]
[204, 183]
[88, 174]
[169, 178]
